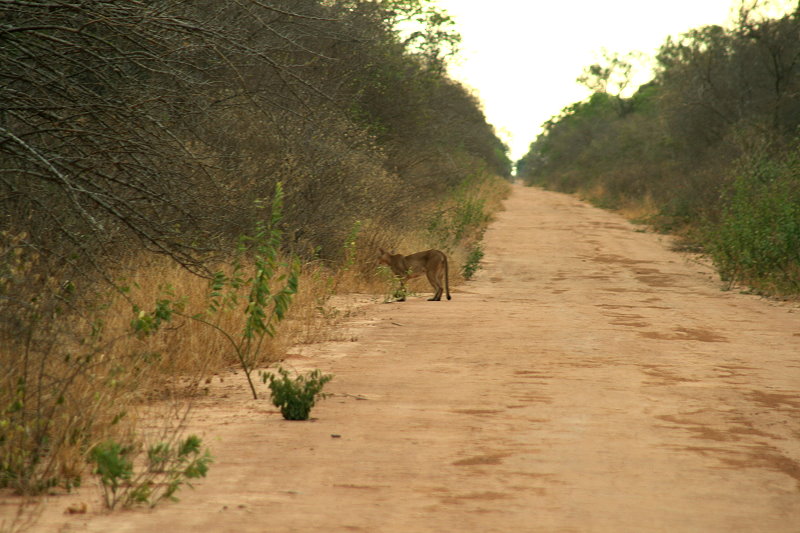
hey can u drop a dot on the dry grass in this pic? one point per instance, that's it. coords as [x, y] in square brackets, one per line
[82, 379]
[88, 378]
[636, 209]
[639, 210]
[190, 348]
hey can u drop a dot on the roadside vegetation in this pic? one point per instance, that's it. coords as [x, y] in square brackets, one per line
[142, 148]
[707, 150]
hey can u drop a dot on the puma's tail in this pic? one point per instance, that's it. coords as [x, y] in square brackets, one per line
[446, 278]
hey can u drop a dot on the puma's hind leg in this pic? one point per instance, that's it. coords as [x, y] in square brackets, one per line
[435, 278]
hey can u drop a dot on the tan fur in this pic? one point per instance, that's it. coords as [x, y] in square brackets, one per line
[432, 263]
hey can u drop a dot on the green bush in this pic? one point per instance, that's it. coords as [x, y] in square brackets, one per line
[166, 468]
[114, 465]
[473, 261]
[296, 396]
[395, 286]
[757, 238]
[672, 152]
[463, 219]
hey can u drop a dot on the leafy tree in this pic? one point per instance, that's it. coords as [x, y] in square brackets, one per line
[720, 97]
[613, 76]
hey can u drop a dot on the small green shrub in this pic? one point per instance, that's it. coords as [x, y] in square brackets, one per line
[114, 465]
[397, 290]
[466, 217]
[166, 468]
[473, 261]
[296, 396]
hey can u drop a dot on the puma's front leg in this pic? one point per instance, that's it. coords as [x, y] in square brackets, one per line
[402, 291]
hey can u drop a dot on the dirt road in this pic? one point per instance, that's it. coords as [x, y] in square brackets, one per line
[589, 380]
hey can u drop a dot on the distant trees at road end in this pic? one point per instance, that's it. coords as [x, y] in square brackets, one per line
[710, 148]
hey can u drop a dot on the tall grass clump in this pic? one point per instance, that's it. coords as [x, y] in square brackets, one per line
[457, 224]
[464, 214]
[68, 378]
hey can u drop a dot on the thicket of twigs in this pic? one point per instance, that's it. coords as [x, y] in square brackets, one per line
[141, 140]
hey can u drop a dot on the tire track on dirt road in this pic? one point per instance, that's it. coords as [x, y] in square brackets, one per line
[588, 380]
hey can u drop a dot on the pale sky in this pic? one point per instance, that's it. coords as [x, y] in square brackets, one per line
[522, 57]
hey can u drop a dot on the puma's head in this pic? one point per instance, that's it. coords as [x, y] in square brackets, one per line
[384, 258]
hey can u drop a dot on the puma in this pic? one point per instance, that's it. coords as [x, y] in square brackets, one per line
[432, 263]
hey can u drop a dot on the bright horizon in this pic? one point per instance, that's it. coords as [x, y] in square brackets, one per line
[522, 57]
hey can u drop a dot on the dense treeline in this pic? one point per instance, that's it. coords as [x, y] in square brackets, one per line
[710, 145]
[132, 130]
[158, 123]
